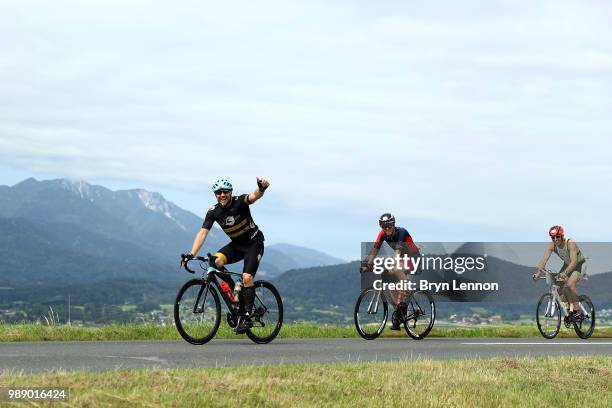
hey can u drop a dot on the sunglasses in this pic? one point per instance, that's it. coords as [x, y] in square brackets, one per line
[556, 236]
[219, 192]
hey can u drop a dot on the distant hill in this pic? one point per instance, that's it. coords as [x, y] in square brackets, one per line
[325, 294]
[304, 257]
[328, 293]
[119, 248]
[71, 231]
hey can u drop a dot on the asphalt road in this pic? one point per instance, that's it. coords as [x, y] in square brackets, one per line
[105, 355]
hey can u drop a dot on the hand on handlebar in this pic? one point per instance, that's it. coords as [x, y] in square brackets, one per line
[184, 259]
[536, 274]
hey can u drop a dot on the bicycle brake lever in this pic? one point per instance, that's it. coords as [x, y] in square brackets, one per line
[188, 270]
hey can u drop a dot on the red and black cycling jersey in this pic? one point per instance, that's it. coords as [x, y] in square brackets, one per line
[399, 240]
[235, 219]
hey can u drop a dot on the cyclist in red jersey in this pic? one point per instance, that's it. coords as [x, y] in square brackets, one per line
[400, 240]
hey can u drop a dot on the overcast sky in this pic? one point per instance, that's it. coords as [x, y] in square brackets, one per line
[468, 120]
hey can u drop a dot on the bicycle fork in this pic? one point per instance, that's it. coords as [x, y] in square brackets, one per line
[373, 306]
[196, 309]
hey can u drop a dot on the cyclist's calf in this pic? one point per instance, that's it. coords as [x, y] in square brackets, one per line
[572, 291]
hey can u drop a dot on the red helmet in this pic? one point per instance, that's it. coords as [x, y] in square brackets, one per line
[556, 230]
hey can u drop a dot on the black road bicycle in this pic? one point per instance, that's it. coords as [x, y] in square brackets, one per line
[197, 309]
[371, 313]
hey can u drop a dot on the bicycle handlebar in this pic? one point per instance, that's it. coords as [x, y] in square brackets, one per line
[185, 260]
[554, 276]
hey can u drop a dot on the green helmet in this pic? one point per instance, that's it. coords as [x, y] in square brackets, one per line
[222, 184]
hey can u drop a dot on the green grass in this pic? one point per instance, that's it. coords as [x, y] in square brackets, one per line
[33, 332]
[524, 382]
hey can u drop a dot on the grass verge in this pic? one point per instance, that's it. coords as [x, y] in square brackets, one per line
[33, 332]
[524, 382]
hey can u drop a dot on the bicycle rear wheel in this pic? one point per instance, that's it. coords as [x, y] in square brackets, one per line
[371, 313]
[420, 315]
[197, 311]
[584, 328]
[548, 316]
[267, 316]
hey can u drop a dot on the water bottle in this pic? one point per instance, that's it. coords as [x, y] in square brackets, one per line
[237, 290]
[227, 291]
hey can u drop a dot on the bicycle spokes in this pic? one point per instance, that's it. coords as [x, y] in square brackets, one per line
[267, 313]
[585, 326]
[548, 316]
[370, 314]
[197, 312]
[420, 315]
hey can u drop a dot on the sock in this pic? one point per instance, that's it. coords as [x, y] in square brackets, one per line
[248, 296]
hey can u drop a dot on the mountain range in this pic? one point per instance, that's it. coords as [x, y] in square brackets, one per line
[72, 231]
[108, 249]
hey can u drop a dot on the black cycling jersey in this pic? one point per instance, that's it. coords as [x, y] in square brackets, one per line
[235, 219]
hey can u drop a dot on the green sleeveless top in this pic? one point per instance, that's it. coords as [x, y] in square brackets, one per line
[564, 254]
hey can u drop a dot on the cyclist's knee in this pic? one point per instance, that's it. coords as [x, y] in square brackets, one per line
[219, 262]
[247, 279]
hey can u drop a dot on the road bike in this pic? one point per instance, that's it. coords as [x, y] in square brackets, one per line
[549, 310]
[197, 309]
[371, 313]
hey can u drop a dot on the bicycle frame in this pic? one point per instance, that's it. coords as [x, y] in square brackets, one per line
[210, 275]
[551, 279]
[416, 308]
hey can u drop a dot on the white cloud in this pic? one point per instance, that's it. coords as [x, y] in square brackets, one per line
[453, 112]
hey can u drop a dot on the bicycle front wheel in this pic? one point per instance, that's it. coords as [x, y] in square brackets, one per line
[420, 315]
[267, 316]
[584, 328]
[371, 313]
[548, 316]
[197, 311]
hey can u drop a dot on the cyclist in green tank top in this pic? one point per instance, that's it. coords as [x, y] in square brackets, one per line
[573, 261]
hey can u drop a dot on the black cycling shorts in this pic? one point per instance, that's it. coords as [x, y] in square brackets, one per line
[251, 251]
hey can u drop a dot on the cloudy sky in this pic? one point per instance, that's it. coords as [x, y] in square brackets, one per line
[468, 120]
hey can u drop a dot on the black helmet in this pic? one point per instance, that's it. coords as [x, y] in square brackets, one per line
[386, 220]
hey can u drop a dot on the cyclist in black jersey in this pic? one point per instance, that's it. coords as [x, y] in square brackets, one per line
[233, 215]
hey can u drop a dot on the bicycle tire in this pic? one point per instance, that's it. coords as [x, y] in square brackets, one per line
[360, 316]
[197, 323]
[554, 317]
[267, 314]
[585, 301]
[420, 305]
